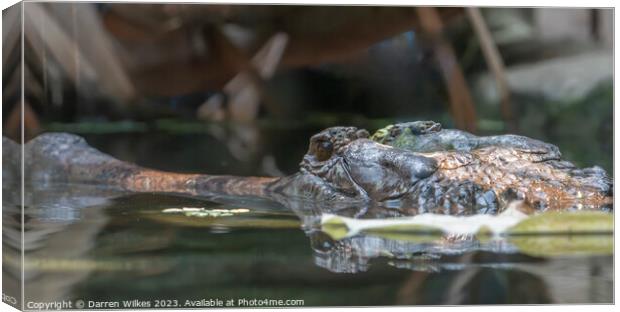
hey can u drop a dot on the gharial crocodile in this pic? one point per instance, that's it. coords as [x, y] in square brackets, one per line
[413, 168]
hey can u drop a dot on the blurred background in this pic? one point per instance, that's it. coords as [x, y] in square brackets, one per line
[239, 89]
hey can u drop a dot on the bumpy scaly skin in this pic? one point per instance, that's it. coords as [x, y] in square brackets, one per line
[428, 136]
[484, 173]
[426, 169]
[487, 179]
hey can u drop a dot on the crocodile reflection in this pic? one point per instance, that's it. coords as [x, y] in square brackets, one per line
[355, 253]
[91, 230]
[424, 251]
[55, 236]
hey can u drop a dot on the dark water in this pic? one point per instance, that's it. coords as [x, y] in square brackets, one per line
[89, 243]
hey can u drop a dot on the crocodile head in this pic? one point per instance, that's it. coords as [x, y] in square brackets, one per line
[346, 162]
[445, 169]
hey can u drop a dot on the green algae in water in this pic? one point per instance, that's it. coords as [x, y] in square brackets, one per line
[565, 233]
[203, 213]
[564, 245]
[52, 264]
[248, 222]
[226, 217]
[335, 227]
[566, 222]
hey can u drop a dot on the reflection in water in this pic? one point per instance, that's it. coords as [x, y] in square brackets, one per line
[97, 244]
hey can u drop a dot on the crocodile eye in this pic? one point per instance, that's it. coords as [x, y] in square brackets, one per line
[324, 150]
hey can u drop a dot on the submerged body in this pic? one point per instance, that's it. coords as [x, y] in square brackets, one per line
[426, 170]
